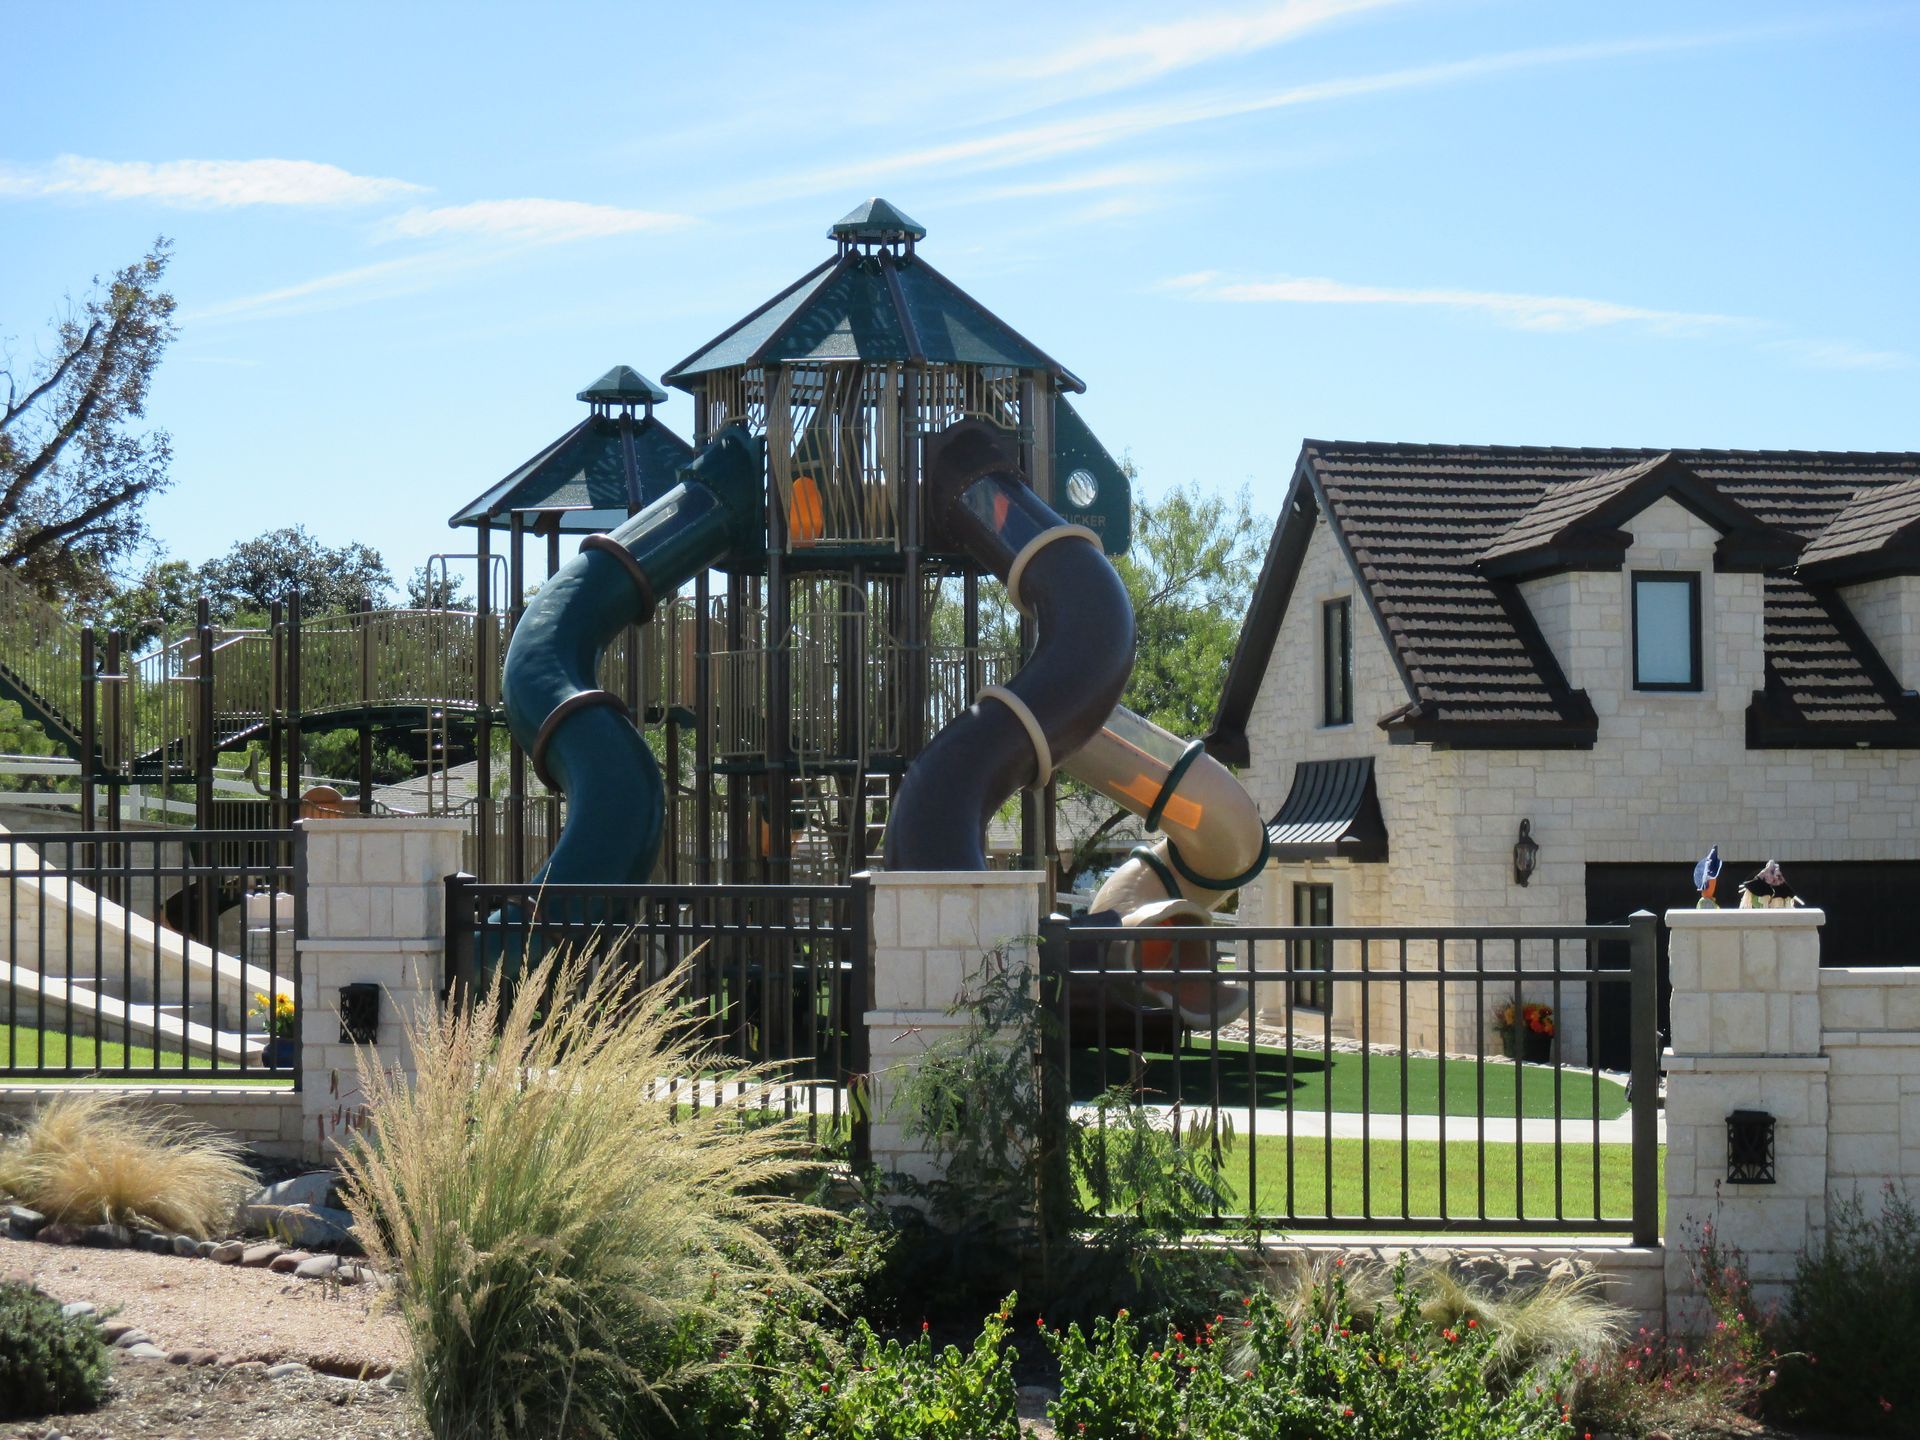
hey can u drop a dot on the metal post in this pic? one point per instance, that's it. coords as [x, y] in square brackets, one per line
[1644, 944]
[276, 716]
[365, 776]
[860, 1057]
[461, 917]
[702, 730]
[89, 729]
[121, 753]
[516, 757]
[1056, 1180]
[294, 729]
[483, 711]
[203, 711]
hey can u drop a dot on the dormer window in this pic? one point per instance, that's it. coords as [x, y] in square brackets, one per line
[1336, 662]
[1666, 630]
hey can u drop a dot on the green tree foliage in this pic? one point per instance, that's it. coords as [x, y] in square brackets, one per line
[1190, 570]
[75, 469]
[431, 588]
[160, 601]
[254, 574]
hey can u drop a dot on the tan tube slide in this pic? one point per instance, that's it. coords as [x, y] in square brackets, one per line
[1212, 841]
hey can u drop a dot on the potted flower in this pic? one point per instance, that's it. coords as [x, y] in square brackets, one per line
[280, 1021]
[1526, 1030]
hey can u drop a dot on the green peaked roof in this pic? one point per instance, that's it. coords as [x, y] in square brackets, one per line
[872, 308]
[600, 471]
[877, 221]
[623, 385]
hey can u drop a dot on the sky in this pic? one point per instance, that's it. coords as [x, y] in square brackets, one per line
[406, 235]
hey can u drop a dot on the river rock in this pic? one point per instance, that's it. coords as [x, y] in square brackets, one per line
[265, 1253]
[287, 1261]
[131, 1337]
[319, 1267]
[79, 1310]
[185, 1246]
[24, 1224]
[145, 1350]
[59, 1233]
[285, 1369]
[227, 1252]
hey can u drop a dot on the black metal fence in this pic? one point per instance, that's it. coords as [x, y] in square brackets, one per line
[1341, 1077]
[777, 976]
[150, 955]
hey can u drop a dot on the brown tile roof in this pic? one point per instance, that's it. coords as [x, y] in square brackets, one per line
[1880, 519]
[1417, 518]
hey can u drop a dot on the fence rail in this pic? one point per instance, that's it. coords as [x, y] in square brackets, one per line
[1363, 1093]
[149, 955]
[773, 975]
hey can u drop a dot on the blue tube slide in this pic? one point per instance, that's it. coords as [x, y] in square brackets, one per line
[580, 738]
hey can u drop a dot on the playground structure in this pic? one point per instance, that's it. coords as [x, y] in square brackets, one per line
[774, 718]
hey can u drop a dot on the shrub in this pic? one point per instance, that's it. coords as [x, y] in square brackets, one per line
[875, 1389]
[1661, 1383]
[1853, 1313]
[1324, 1370]
[90, 1157]
[571, 1247]
[49, 1364]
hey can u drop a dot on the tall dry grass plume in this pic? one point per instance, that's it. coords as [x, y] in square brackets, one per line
[89, 1157]
[569, 1246]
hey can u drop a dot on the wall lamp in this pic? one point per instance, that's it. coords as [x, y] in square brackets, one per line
[1526, 854]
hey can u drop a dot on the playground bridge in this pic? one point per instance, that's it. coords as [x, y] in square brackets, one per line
[427, 681]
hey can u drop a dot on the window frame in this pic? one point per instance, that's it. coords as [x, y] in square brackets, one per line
[1316, 995]
[1691, 579]
[1332, 663]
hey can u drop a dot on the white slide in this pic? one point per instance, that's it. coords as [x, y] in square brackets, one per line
[53, 928]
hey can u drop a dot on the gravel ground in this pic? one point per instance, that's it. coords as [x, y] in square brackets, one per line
[242, 1313]
[157, 1401]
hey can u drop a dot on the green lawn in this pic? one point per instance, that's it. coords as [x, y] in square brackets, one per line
[1313, 1081]
[1351, 1197]
[24, 1048]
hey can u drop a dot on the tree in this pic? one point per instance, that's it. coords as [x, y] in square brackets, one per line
[433, 588]
[160, 602]
[75, 473]
[254, 574]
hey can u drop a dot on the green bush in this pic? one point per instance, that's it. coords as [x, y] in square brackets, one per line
[791, 1383]
[1327, 1372]
[1852, 1316]
[49, 1365]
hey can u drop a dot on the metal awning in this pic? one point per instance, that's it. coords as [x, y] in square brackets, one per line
[1332, 812]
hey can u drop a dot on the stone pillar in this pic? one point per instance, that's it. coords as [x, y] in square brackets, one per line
[930, 931]
[1746, 1036]
[375, 913]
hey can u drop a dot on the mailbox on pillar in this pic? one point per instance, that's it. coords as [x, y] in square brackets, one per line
[1750, 1148]
[359, 1014]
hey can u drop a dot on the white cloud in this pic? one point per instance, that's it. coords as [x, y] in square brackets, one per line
[1130, 57]
[1840, 355]
[1046, 140]
[325, 292]
[203, 182]
[1113, 177]
[1519, 311]
[530, 220]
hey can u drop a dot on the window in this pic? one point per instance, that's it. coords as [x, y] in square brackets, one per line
[1666, 631]
[1312, 905]
[1336, 662]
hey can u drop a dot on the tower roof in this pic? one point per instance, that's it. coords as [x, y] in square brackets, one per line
[623, 385]
[598, 472]
[871, 306]
[876, 222]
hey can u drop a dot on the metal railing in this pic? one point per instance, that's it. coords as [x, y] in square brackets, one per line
[149, 955]
[773, 975]
[1358, 1089]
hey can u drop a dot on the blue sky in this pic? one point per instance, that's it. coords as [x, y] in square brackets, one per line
[407, 234]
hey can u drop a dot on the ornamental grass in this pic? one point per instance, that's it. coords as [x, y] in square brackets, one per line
[89, 1158]
[572, 1249]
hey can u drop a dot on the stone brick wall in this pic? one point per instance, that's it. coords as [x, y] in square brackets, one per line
[1832, 1055]
[1669, 775]
[931, 929]
[1889, 611]
[375, 903]
[268, 1120]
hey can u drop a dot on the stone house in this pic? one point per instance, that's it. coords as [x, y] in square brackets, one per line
[1635, 654]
